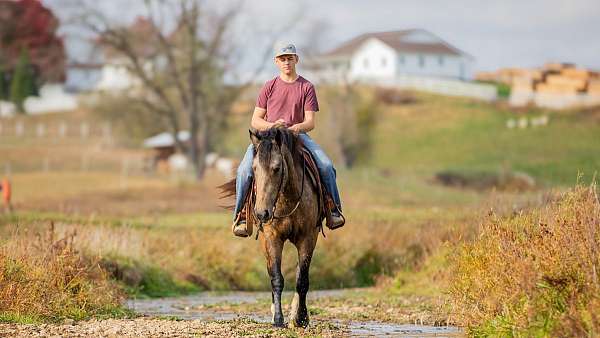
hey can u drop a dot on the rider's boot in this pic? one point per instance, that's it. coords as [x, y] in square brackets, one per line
[337, 219]
[239, 227]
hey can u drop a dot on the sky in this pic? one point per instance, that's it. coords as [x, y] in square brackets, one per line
[508, 33]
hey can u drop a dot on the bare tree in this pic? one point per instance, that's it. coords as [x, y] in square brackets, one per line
[181, 70]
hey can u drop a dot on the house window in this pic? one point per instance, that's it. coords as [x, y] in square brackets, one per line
[366, 63]
[441, 60]
[421, 61]
[402, 60]
[383, 62]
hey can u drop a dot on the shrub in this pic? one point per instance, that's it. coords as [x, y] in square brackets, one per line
[534, 273]
[394, 96]
[43, 278]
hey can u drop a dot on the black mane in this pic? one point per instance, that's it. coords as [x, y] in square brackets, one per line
[280, 136]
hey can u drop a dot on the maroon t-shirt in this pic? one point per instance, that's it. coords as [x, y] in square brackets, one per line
[287, 101]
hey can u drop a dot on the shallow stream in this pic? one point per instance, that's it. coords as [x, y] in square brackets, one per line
[205, 306]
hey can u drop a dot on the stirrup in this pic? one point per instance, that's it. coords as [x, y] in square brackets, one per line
[341, 220]
[240, 227]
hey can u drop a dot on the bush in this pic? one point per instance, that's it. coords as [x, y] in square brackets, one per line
[43, 278]
[535, 273]
[393, 96]
[503, 180]
[143, 280]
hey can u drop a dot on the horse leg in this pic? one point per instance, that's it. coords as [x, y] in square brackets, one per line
[299, 312]
[273, 249]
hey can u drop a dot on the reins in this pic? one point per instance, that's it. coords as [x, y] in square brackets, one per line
[260, 224]
[299, 197]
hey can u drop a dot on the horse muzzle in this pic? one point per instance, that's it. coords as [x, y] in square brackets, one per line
[263, 215]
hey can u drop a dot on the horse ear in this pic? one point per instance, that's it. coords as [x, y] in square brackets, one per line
[254, 136]
[278, 137]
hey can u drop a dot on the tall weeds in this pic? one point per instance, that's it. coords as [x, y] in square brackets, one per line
[44, 278]
[534, 273]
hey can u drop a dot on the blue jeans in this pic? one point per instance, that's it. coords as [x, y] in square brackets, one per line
[324, 164]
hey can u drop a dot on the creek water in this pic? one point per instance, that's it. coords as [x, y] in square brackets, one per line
[205, 306]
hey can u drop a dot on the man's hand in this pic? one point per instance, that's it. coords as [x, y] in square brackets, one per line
[279, 123]
[295, 128]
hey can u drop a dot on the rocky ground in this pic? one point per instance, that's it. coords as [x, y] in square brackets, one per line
[147, 327]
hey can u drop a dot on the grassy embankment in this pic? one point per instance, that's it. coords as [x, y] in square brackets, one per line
[534, 273]
[160, 238]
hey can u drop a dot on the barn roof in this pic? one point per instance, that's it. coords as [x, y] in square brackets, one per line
[166, 139]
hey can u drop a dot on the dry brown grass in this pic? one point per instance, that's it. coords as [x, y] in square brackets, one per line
[44, 277]
[534, 273]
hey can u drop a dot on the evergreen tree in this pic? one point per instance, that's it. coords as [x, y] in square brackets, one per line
[22, 84]
[3, 86]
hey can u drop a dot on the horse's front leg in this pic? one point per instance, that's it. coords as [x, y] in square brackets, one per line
[299, 311]
[273, 248]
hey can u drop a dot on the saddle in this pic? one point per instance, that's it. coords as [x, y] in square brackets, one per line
[312, 173]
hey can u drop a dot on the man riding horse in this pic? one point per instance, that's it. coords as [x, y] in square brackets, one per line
[287, 101]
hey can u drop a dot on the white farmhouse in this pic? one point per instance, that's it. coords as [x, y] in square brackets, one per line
[107, 70]
[386, 56]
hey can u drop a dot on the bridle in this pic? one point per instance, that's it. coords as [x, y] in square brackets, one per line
[279, 192]
[299, 197]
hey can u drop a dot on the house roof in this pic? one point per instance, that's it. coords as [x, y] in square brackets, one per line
[395, 39]
[166, 139]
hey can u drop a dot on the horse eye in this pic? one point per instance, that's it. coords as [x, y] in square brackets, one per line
[276, 169]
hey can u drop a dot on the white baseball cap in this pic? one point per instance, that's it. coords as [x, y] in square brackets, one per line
[284, 49]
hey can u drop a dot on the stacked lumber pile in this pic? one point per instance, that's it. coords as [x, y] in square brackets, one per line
[554, 78]
[566, 80]
[555, 85]
[507, 75]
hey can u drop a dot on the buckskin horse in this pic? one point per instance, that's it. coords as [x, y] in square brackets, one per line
[287, 208]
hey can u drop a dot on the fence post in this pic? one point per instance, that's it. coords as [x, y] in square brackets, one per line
[46, 164]
[85, 161]
[19, 128]
[124, 172]
[62, 129]
[84, 129]
[40, 130]
[107, 132]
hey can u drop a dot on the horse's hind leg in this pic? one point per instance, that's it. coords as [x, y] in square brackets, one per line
[273, 249]
[299, 312]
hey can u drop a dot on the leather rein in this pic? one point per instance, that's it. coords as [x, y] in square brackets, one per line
[260, 224]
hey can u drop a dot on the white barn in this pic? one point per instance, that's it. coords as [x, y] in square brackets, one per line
[387, 56]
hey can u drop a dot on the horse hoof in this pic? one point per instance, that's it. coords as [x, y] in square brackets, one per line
[279, 325]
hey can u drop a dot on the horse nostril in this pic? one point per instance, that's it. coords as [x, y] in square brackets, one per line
[263, 215]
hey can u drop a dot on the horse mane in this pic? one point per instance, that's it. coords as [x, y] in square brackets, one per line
[281, 136]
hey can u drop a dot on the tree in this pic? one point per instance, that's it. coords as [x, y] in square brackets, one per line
[180, 71]
[22, 84]
[3, 84]
[28, 25]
